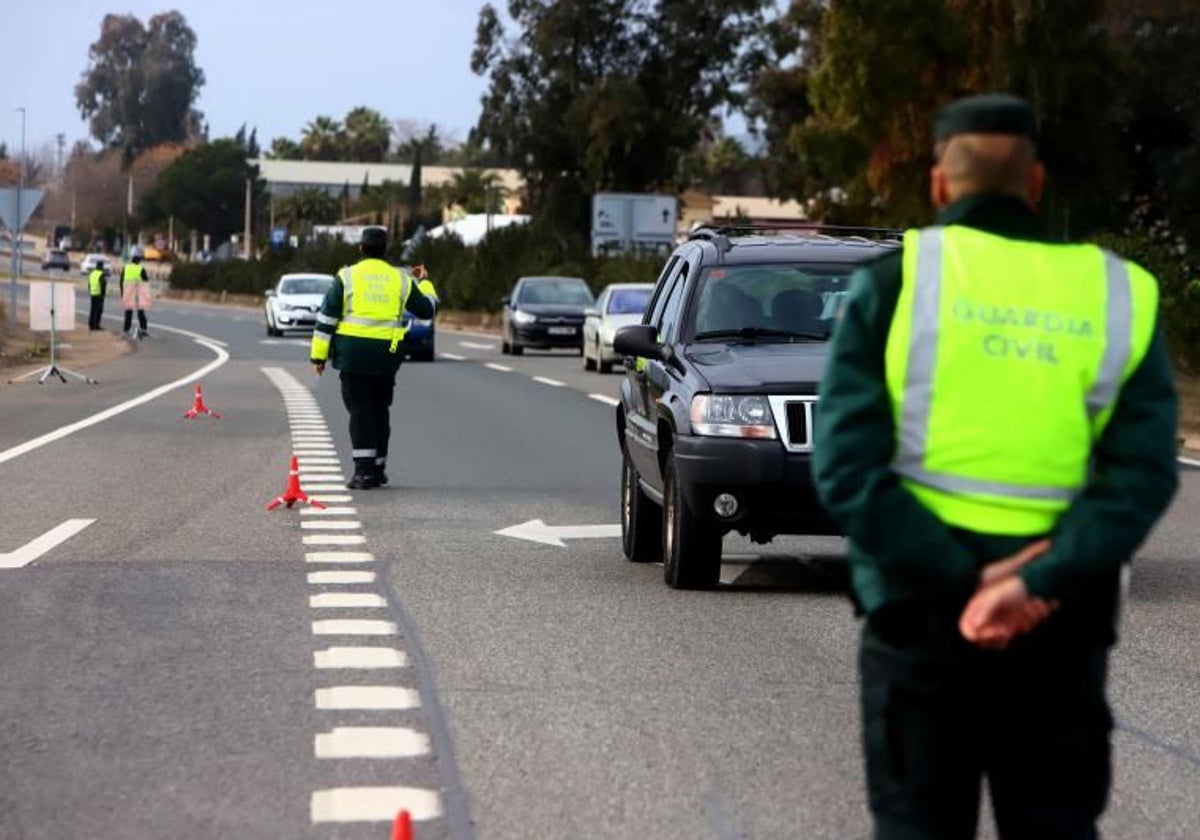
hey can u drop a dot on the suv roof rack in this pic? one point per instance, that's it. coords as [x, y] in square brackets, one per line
[805, 228]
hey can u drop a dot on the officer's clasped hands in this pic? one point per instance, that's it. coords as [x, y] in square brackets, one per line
[1002, 609]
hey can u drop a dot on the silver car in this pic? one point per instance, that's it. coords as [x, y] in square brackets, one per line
[294, 302]
[619, 305]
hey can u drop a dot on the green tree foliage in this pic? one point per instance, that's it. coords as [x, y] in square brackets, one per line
[284, 148]
[368, 135]
[606, 94]
[476, 191]
[205, 188]
[324, 139]
[141, 82]
[308, 206]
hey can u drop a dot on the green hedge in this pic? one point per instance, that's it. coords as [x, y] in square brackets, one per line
[1179, 285]
[467, 278]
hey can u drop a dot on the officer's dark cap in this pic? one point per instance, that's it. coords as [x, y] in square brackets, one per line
[987, 113]
[374, 239]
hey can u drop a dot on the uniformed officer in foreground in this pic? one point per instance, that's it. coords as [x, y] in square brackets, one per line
[996, 437]
[359, 330]
[97, 289]
[133, 274]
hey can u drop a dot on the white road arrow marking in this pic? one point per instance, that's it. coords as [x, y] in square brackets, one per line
[535, 530]
[35, 548]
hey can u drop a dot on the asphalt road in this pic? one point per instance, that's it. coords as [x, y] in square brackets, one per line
[184, 666]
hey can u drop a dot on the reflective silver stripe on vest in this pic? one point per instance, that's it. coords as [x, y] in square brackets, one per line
[1118, 336]
[322, 318]
[359, 321]
[348, 289]
[916, 404]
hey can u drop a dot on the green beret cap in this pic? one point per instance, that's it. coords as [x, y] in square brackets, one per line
[987, 113]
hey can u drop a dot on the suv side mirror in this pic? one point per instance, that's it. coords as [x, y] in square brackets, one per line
[638, 340]
[270, 293]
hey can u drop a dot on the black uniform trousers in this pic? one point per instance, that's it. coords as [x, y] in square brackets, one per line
[368, 399]
[96, 312]
[141, 313]
[939, 715]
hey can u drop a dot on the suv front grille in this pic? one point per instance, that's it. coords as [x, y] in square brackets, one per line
[794, 416]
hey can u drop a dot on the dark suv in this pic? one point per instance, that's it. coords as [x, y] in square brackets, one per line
[717, 407]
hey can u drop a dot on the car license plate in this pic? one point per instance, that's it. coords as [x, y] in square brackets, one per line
[561, 330]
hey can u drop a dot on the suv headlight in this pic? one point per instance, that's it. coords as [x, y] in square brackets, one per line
[732, 415]
[523, 318]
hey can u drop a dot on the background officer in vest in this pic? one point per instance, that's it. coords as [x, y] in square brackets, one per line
[996, 437]
[132, 275]
[97, 289]
[359, 330]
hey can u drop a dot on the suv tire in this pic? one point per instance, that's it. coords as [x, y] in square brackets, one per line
[641, 519]
[691, 546]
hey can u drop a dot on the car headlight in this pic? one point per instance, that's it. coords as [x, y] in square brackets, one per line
[732, 415]
[523, 318]
[285, 307]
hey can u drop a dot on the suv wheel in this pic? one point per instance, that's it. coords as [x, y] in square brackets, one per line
[601, 365]
[588, 362]
[691, 546]
[641, 521]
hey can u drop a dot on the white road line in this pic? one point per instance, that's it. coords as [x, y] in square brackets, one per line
[604, 398]
[339, 557]
[474, 346]
[330, 525]
[319, 451]
[367, 697]
[360, 658]
[318, 487]
[501, 368]
[38, 546]
[338, 600]
[1191, 462]
[484, 336]
[554, 383]
[370, 742]
[335, 578]
[334, 539]
[329, 511]
[120, 408]
[373, 804]
[454, 357]
[316, 460]
[330, 498]
[354, 627]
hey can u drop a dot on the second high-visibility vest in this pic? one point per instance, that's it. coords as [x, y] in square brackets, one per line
[1004, 362]
[95, 282]
[373, 298]
[131, 273]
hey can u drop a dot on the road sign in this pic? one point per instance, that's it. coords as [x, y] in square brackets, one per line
[30, 199]
[624, 222]
[535, 530]
[48, 312]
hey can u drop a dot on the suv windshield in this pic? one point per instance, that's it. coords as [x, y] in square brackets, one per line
[566, 291]
[777, 302]
[305, 286]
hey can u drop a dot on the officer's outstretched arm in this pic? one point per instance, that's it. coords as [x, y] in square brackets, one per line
[422, 300]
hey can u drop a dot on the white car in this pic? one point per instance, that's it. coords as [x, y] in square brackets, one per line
[92, 261]
[619, 305]
[294, 302]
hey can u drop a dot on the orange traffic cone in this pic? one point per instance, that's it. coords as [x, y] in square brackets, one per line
[402, 828]
[293, 493]
[198, 407]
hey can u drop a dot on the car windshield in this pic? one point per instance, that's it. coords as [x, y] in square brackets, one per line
[778, 302]
[555, 291]
[628, 301]
[305, 286]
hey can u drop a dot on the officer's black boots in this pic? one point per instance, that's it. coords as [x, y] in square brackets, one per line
[366, 475]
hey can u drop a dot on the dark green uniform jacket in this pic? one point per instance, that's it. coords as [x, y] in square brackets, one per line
[898, 549]
[368, 355]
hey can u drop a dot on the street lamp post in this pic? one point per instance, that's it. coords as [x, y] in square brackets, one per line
[16, 233]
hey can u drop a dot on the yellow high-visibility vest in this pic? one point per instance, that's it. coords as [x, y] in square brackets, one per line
[95, 281]
[1004, 362]
[131, 273]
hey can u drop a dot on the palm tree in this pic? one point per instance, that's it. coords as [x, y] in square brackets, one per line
[367, 135]
[477, 191]
[323, 139]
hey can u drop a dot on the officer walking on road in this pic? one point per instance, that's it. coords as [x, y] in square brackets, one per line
[996, 437]
[133, 275]
[97, 289]
[359, 329]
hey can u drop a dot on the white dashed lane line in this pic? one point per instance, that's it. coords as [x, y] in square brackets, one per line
[330, 511]
[453, 357]
[339, 557]
[336, 578]
[607, 400]
[334, 539]
[494, 366]
[354, 627]
[471, 345]
[360, 658]
[352, 600]
[345, 697]
[371, 742]
[553, 383]
[375, 804]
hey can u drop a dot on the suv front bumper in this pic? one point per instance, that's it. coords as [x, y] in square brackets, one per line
[774, 487]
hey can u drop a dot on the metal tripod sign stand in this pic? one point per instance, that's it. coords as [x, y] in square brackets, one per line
[45, 300]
